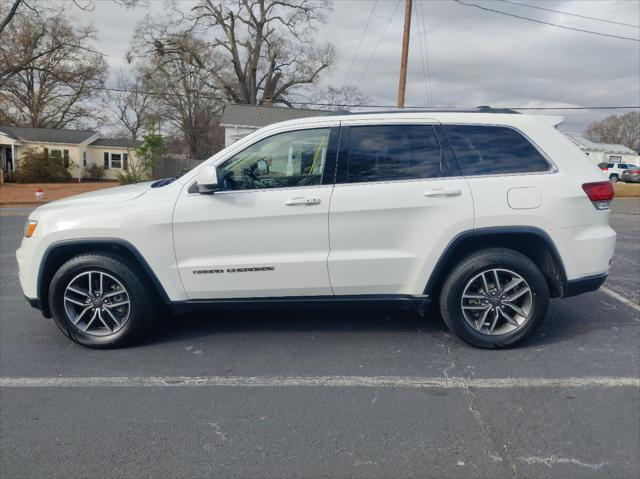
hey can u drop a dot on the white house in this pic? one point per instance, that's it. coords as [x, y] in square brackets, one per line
[79, 149]
[240, 120]
[605, 152]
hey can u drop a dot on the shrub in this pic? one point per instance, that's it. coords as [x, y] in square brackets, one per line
[37, 165]
[94, 172]
[151, 150]
[127, 178]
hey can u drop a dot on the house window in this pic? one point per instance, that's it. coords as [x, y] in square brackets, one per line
[84, 158]
[116, 160]
[60, 154]
[615, 159]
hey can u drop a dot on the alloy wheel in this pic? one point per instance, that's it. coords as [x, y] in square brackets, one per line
[97, 303]
[497, 301]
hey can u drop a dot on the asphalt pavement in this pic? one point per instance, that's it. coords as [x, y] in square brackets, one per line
[326, 393]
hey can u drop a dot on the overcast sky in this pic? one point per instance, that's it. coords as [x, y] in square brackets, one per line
[474, 57]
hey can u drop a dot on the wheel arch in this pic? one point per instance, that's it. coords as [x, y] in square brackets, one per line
[533, 242]
[60, 252]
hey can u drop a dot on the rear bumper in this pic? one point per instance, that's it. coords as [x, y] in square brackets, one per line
[575, 287]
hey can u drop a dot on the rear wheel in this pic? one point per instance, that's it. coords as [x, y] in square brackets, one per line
[494, 298]
[101, 300]
[614, 178]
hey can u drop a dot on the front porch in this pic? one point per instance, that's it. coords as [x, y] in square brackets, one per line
[8, 161]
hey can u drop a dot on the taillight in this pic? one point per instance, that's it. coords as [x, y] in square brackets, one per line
[604, 168]
[600, 194]
[635, 172]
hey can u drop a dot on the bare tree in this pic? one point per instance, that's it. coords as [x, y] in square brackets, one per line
[8, 11]
[183, 96]
[131, 103]
[46, 13]
[330, 98]
[622, 129]
[265, 47]
[52, 88]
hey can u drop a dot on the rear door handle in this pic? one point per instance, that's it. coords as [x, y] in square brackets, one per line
[436, 192]
[303, 200]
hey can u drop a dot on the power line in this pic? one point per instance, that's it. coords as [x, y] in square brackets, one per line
[378, 44]
[424, 70]
[360, 43]
[568, 13]
[543, 22]
[426, 52]
[358, 105]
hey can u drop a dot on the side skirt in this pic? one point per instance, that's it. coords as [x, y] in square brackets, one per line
[406, 302]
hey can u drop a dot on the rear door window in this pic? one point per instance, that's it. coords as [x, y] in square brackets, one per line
[493, 150]
[392, 152]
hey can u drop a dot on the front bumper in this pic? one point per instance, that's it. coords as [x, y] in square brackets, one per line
[575, 287]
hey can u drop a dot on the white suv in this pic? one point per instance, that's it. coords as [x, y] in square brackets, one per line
[615, 170]
[486, 215]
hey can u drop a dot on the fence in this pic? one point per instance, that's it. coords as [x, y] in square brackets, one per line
[173, 166]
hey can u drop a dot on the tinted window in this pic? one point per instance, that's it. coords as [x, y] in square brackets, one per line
[392, 152]
[295, 158]
[491, 150]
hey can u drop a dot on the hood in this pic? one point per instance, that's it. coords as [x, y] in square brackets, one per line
[107, 196]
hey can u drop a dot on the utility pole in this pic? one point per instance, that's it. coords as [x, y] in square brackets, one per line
[405, 53]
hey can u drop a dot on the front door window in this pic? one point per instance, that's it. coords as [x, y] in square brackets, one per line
[284, 160]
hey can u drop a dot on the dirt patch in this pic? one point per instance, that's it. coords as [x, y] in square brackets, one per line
[14, 194]
[627, 190]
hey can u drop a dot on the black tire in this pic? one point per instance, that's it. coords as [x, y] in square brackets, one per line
[613, 178]
[468, 268]
[141, 297]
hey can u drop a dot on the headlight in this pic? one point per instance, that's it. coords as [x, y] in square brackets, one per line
[30, 228]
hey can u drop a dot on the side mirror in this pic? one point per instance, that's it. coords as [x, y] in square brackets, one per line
[207, 180]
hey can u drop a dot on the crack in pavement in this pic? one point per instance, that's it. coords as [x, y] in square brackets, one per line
[494, 451]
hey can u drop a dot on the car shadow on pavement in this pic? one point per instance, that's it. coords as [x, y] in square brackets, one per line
[170, 328]
[567, 321]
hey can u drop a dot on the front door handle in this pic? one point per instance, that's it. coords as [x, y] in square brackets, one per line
[303, 200]
[436, 192]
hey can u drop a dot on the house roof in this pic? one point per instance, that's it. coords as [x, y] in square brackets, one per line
[47, 135]
[259, 116]
[116, 143]
[608, 147]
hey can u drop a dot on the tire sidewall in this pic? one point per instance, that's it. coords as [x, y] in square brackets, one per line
[118, 270]
[461, 275]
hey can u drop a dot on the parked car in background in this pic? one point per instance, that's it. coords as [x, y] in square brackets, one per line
[631, 175]
[615, 170]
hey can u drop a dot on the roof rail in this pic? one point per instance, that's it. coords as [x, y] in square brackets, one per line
[479, 109]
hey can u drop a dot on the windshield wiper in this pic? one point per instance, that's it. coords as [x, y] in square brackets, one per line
[164, 182]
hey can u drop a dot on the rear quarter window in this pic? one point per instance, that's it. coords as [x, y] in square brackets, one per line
[493, 150]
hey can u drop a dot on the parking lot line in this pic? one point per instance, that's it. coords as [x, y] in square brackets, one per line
[620, 298]
[403, 382]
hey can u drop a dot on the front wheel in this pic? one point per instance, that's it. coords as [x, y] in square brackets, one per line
[101, 300]
[494, 298]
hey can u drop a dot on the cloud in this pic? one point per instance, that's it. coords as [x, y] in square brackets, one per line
[475, 57]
